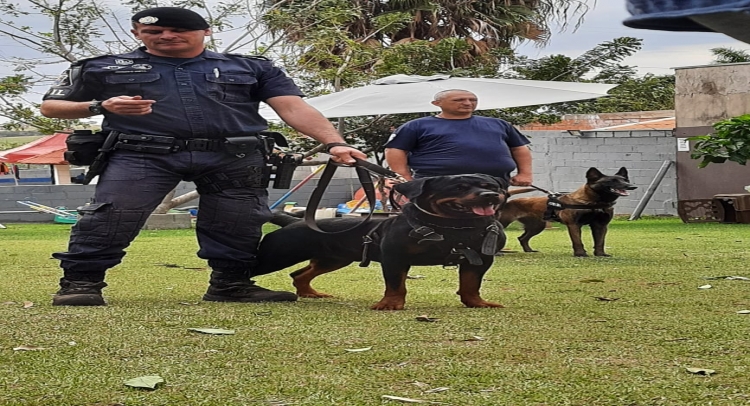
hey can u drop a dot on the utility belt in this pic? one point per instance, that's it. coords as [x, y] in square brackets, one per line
[158, 144]
[84, 147]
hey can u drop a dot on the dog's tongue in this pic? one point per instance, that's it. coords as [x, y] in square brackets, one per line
[621, 192]
[483, 211]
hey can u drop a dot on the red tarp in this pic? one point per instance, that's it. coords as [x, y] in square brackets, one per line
[46, 150]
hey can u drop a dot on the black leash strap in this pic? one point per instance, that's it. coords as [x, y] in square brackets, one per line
[325, 178]
[542, 190]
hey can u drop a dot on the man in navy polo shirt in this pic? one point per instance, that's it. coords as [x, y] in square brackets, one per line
[456, 141]
[194, 102]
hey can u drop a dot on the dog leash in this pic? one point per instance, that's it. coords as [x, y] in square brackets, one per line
[363, 169]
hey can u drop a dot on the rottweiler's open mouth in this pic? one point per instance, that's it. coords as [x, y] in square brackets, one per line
[481, 209]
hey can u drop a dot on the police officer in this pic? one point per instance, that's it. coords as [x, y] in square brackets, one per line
[175, 105]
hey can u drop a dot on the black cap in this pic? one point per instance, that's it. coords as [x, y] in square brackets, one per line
[171, 17]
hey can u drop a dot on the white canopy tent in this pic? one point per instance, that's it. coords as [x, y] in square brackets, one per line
[412, 94]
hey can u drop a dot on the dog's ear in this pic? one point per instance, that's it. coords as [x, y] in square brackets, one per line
[624, 173]
[411, 189]
[593, 174]
[501, 182]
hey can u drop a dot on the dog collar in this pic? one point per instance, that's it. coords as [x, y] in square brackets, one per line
[423, 217]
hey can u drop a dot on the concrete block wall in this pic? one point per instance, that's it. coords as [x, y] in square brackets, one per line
[561, 160]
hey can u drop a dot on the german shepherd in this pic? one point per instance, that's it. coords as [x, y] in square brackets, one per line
[449, 220]
[592, 204]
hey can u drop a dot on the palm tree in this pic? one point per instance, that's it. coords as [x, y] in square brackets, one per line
[483, 24]
[730, 55]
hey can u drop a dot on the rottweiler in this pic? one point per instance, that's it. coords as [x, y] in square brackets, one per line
[592, 204]
[449, 220]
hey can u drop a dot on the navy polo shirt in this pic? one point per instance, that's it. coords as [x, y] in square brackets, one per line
[438, 146]
[210, 96]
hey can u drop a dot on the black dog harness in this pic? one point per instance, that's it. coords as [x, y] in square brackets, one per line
[428, 228]
[554, 205]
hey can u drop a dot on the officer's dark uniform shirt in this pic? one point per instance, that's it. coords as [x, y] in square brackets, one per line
[438, 146]
[210, 96]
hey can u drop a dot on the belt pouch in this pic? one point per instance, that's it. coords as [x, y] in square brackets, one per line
[241, 145]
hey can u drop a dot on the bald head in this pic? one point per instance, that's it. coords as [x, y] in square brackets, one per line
[455, 103]
[445, 93]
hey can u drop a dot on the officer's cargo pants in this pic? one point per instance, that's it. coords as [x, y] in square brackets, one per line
[229, 223]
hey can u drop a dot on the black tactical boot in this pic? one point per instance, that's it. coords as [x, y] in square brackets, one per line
[231, 286]
[79, 293]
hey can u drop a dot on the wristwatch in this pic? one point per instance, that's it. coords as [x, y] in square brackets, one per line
[96, 107]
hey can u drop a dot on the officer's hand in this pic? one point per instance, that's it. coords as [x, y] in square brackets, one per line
[128, 105]
[521, 180]
[346, 155]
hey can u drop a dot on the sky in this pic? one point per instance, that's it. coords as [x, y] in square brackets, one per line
[662, 51]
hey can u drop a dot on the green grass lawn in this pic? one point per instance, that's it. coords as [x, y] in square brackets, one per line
[557, 342]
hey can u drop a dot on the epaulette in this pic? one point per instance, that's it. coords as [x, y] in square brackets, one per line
[260, 57]
[81, 61]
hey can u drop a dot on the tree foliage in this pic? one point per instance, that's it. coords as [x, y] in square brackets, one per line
[729, 142]
[730, 55]
[70, 30]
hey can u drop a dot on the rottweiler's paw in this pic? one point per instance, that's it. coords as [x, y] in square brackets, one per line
[580, 254]
[388, 305]
[602, 254]
[313, 294]
[482, 304]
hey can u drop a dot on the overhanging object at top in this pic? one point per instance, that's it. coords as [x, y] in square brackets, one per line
[412, 94]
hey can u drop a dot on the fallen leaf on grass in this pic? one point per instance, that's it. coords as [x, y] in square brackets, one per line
[731, 278]
[606, 299]
[743, 312]
[705, 287]
[357, 349]
[145, 382]
[215, 331]
[700, 371]
[426, 318]
[437, 390]
[474, 338]
[591, 280]
[408, 400]
[28, 348]
[28, 304]
[278, 403]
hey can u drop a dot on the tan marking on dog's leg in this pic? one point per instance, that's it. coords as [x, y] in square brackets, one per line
[393, 299]
[599, 232]
[574, 231]
[469, 283]
[302, 279]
